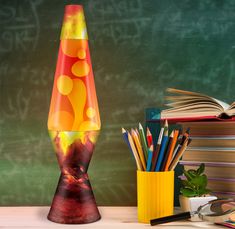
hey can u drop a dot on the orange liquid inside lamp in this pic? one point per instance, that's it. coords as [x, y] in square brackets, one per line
[74, 122]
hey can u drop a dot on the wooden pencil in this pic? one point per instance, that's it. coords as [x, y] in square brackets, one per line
[163, 148]
[174, 141]
[179, 154]
[139, 148]
[157, 149]
[179, 145]
[166, 155]
[166, 128]
[143, 140]
[137, 132]
[130, 143]
[135, 153]
[150, 155]
[149, 137]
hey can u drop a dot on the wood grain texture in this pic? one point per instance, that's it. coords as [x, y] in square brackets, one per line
[112, 217]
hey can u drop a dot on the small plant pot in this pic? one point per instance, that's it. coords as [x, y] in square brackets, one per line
[193, 203]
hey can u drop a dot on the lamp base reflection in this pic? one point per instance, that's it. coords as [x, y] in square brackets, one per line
[74, 202]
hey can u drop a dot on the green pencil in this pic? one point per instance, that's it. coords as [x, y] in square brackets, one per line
[143, 141]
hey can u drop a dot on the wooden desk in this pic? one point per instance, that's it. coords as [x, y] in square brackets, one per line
[112, 218]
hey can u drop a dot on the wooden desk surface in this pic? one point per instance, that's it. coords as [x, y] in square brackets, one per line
[112, 218]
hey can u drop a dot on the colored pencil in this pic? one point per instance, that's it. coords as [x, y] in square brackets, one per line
[166, 128]
[135, 153]
[174, 141]
[132, 149]
[143, 140]
[125, 137]
[136, 130]
[179, 154]
[156, 151]
[166, 155]
[186, 134]
[168, 150]
[139, 148]
[179, 145]
[175, 151]
[163, 147]
[150, 155]
[149, 137]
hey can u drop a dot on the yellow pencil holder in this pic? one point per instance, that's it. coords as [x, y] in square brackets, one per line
[155, 195]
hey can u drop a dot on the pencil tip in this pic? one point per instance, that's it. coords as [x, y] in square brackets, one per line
[151, 147]
[166, 123]
[148, 131]
[140, 126]
[123, 130]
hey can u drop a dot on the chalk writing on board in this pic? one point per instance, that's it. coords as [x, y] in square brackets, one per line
[21, 103]
[20, 26]
[121, 9]
[127, 24]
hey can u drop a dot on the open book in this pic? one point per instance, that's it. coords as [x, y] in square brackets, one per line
[191, 105]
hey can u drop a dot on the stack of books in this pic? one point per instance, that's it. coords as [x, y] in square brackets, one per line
[212, 130]
[213, 143]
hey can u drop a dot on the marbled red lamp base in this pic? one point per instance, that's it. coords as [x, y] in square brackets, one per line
[74, 202]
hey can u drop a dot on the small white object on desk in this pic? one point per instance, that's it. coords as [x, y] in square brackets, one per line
[191, 204]
[112, 217]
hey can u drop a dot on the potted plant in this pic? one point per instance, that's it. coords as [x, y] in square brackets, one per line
[194, 192]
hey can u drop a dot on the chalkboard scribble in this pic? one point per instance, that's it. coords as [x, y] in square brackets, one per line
[127, 23]
[20, 26]
[121, 32]
[17, 107]
[119, 9]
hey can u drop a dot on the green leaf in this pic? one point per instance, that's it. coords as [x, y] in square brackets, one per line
[200, 181]
[187, 175]
[188, 192]
[203, 191]
[201, 169]
[192, 172]
[188, 184]
[184, 182]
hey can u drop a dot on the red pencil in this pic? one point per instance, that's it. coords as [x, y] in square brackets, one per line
[149, 138]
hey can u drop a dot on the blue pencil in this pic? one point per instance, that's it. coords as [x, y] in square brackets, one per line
[163, 148]
[150, 156]
[161, 153]
[125, 137]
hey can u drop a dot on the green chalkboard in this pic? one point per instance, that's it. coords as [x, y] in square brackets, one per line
[138, 49]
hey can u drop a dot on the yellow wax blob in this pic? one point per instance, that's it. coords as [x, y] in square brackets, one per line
[81, 54]
[88, 125]
[81, 68]
[61, 120]
[64, 84]
[90, 112]
[71, 47]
